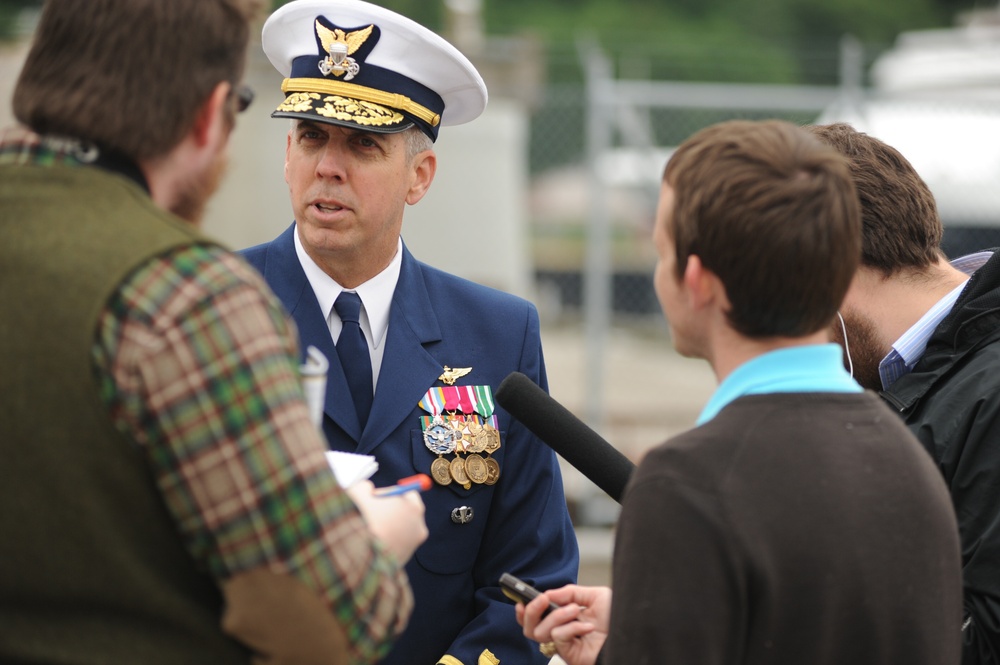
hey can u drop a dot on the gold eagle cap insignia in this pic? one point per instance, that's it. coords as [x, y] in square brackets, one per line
[353, 40]
[450, 376]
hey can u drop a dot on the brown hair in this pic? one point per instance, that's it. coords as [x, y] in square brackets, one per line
[900, 223]
[773, 213]
[130, 75]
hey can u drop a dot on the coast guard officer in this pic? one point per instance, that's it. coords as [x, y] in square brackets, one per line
[415, 353]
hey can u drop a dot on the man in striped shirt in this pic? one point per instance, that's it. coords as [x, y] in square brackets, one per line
[924, 333]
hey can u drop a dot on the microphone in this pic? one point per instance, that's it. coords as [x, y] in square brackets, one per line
[566, 434]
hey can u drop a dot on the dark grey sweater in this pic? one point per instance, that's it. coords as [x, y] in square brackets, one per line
[793, 528]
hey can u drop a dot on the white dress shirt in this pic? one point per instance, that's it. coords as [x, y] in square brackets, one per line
[376, 301]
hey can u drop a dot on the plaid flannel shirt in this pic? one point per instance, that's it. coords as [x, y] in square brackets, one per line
[196, 363]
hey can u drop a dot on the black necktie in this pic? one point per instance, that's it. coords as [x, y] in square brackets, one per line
[352, 348]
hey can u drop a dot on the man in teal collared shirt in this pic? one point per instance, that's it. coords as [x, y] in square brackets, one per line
[799, 522]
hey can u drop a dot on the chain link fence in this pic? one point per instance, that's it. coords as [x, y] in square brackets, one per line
[957, 150]
[561, 193]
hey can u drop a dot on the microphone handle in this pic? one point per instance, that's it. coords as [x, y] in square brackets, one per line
[566, 434]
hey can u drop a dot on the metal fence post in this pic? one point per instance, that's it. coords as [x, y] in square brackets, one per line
[597, 269]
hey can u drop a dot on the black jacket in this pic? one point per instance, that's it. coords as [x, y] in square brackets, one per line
[951, 402]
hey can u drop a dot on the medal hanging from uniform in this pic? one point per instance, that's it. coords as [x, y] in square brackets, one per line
[461, 422]
[487, 435]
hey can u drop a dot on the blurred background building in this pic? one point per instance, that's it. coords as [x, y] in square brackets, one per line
[551, 193]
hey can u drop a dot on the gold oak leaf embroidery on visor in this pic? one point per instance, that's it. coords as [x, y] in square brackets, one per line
[299, 102]
[360, 112]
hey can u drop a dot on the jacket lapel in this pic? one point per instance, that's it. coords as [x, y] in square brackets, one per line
[408, 369]
[284, 273]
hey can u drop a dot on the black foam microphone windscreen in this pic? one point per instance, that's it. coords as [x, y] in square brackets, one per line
[566, 434]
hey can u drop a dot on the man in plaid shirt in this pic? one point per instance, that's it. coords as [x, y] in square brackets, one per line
[162, 487]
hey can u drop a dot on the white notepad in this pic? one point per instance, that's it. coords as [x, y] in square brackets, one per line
[350, 468]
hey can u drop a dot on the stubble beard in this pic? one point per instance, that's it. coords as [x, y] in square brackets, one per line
[865, 349]
[195, 193]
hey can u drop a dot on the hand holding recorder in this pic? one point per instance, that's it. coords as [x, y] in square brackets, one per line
[522, 592]
[574, 618]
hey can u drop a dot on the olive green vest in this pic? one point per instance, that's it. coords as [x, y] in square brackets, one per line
[92, 569]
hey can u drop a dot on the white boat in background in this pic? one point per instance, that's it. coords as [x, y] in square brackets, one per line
[935, 96]
[961, 62]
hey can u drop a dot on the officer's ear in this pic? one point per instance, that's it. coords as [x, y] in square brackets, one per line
[423, 168]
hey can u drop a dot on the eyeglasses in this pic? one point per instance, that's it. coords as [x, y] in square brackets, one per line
[244, 96]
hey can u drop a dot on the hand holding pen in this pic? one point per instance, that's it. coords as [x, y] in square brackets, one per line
[393, 514]
[420, 482]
